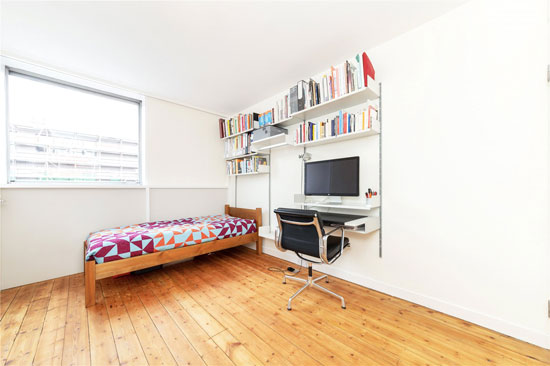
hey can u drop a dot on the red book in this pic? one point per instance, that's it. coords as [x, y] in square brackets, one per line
[368, 69]
[345, 123]
[221, 121]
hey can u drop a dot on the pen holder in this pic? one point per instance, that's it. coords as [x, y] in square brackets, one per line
[369, 201]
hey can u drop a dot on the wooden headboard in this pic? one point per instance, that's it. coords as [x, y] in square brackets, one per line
[245, 213]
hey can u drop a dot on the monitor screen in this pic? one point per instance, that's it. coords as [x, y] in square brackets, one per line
[338, 177]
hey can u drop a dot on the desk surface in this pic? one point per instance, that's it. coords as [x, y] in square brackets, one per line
[331, 218]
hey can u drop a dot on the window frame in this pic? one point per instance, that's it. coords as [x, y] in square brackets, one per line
[41, 74]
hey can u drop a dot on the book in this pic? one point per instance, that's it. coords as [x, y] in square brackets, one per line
[302, 90]
[293, 97]
[368, 69]
[358, 60]
[221, 123]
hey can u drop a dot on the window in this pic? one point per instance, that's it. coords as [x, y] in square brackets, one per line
[63, 133]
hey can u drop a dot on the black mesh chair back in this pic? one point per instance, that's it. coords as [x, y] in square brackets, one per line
[300, 238]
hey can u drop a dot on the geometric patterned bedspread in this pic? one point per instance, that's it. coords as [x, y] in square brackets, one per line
[134, 240]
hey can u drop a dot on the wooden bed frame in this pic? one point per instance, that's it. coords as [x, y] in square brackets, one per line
[94, 271]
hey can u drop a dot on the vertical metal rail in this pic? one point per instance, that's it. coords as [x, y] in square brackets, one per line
[269, 189]
[236, 190]
[380, 167]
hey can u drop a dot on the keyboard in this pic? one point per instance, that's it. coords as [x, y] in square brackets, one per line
[330, 218]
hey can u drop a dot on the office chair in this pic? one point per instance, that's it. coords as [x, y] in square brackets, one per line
[302, 232]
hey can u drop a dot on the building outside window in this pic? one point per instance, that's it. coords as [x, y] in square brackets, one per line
[65, 133]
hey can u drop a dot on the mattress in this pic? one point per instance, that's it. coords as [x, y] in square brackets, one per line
[150, 237]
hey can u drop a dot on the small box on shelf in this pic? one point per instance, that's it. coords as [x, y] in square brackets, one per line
[270, 142]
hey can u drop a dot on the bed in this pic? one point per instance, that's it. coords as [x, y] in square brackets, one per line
[121, 250]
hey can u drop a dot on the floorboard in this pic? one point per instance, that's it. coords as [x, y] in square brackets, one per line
[228, 309]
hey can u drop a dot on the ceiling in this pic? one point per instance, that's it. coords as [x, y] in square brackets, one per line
[216, 56]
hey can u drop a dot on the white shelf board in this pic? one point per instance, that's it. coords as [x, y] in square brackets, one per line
[270, 142]
[374, 130]
[283, 122]
[372, 224]
[374, 203]
[252, 173]
[237, 134]
[242, 156]
[345, 101]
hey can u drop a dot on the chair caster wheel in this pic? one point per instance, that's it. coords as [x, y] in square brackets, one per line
[284, 282]
[343, 307]
[326, 281]
[288, 309]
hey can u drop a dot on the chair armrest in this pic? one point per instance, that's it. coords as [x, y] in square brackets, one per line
[323, 245]
[278, 236]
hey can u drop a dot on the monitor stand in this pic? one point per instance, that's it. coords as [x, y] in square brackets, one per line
[335, 200]
[302, 199]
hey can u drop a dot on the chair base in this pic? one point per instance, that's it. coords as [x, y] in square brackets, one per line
[310, 282]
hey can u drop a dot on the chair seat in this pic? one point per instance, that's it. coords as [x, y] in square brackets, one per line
[333, 245]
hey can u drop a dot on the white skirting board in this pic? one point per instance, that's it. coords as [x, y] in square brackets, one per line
[499, 325]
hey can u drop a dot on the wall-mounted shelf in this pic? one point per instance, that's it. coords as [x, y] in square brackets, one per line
[372, 225]
[241, 156]
[249, 165]
[237, 134]
[284, 122]
[262, 169]
[252, 173]
[374, 130]
[270, 142]
[374, 202]
[345, 101]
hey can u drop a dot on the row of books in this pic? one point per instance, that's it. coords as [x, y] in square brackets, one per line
[238, 145]
[251, 164]
[267, 118]
[282, 110]
[238, 124]
[340, 124]
[343, 79]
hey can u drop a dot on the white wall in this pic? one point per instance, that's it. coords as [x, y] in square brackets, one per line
[42, 229]
[182, 146]
[170, 203]
[465, 169]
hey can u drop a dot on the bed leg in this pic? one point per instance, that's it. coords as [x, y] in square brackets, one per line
[259, 246]
[89, 281]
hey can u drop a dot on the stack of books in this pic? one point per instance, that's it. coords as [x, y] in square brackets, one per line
[238, 145]
[238, 124]
[253, 164]
[340, 124]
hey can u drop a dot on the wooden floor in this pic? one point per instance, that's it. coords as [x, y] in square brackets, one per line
[226, 309]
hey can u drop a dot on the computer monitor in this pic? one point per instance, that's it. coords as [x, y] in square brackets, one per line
[337, 177]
